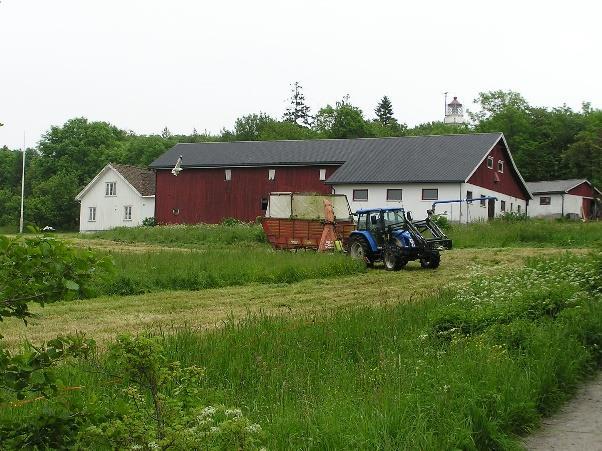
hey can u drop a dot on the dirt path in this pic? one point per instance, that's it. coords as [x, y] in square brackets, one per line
[578, 426]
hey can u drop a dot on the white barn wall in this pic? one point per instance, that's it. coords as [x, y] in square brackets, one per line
[110, 209]
[572, 205]
[474, 212]
[412, 199]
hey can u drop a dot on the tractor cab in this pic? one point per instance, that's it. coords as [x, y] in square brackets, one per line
[391, 235]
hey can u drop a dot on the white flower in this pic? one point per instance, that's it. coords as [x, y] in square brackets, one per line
[207, 412]
[253, 428]
[233, 413]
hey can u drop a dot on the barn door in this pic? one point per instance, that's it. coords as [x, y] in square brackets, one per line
[491, 209]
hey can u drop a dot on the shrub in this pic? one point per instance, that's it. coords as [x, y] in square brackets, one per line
[149, 222]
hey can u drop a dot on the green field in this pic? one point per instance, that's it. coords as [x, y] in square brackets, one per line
[326, 354]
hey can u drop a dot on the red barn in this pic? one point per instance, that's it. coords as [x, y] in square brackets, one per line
[234, 179]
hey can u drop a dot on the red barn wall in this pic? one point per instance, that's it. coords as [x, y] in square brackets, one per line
[509, 181]
[203, 195]
[582, 190]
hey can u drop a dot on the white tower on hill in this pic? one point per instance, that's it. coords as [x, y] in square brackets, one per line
[454, 113]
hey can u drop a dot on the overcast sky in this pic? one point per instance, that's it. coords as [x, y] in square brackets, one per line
[145, 64]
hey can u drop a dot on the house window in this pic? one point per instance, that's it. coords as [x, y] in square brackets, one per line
[91, 214]
[503, 205]
[111, 189]
[322, 174]
[227, 175]
[518, 209]
[500, 166]
[271, 174]
[394, 195]
[264, 204]
[482, 200]
[127, 213]
[545, 200]
[469, 197]
[490, 162]
[360, 194]
[511, 206]
[430, 194]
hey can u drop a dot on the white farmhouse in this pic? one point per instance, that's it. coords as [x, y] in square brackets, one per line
[119, 196]
[573, 198]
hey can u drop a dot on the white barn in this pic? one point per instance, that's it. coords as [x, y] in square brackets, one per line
[573, 198]
[119, 196]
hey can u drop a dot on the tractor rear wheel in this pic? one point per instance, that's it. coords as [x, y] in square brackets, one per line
[432, 261]
[392, 260]
[358, 249]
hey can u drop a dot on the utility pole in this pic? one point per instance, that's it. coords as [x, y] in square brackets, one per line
[22, 186]
[445, 106]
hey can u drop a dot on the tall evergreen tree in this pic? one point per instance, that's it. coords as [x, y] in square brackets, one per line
[384, 112]
[298, 111]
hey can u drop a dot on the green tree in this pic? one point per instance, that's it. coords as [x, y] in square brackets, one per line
[342, 121]
[250, 126]
[298, 111]
[384, 112]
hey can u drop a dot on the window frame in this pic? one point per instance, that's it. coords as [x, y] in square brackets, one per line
[272, 174]
[500, 166]
[227, 175]
[91, 217]
[322, 174]
[264, 201]
[125, 212]
[546, 203]
[490, 162]
[110, 192]
[430, 189]
[355, 199]
[483, 201]
[502, 205]
[469, 197]
[400, 195]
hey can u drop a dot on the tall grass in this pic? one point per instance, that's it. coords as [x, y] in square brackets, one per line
[497, 233]
[409, 376]
[186, 235]
[527, 233]
[195, 270]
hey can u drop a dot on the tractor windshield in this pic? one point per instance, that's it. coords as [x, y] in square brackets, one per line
[393, 217]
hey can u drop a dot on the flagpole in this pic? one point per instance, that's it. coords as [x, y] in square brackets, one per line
[22, 186]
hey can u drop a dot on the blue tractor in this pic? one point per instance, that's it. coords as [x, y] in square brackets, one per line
[391, 235]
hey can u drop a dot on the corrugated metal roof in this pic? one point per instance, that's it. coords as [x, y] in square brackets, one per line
[444, 158]
[553, 186]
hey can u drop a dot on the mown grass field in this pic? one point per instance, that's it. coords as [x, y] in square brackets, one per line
[471, 366]
[326, 354]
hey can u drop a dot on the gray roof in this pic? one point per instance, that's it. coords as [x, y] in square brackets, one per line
[441, 158]
[257, 153]
[444, 158]
[141, 179]
[554, 186]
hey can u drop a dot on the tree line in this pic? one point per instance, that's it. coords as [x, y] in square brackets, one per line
[547, 143]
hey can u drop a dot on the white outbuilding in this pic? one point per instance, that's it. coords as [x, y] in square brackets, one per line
[119, 196]
[572, 198]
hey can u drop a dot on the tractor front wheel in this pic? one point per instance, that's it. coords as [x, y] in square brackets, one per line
[358, 249]
[432, 261]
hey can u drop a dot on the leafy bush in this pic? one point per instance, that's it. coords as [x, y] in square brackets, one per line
[149, 222]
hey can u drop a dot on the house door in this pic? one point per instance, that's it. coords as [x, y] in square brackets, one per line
[491, 209]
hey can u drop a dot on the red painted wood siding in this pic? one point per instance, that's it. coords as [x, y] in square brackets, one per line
[203, 195]
[507, 182]
[583, 189]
